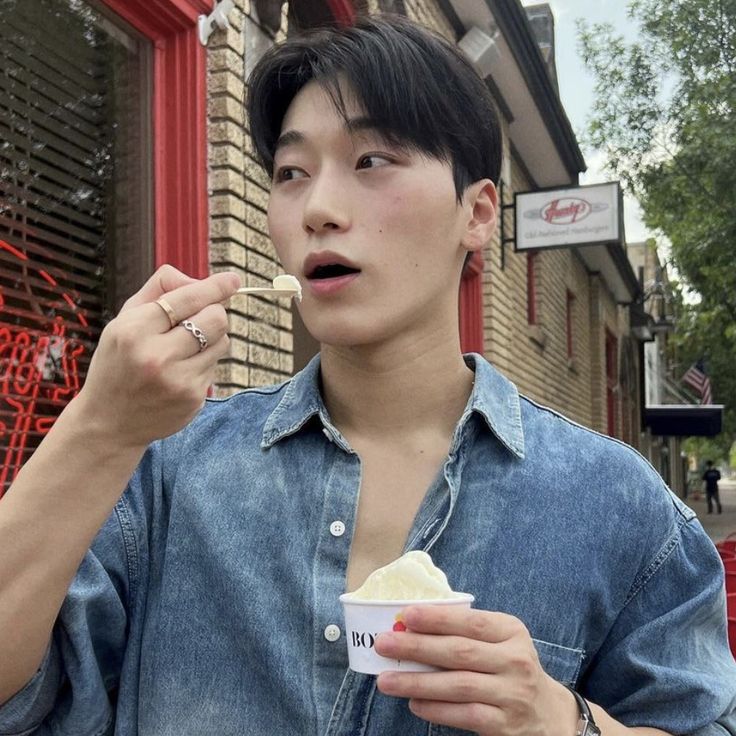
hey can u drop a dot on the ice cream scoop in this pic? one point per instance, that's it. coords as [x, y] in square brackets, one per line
[413, 577]
[377, 607]
[283, 285]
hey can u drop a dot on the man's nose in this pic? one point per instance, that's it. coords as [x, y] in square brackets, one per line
[326, 206]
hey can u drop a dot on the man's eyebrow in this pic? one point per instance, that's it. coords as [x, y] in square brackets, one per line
[353, 126]
[358, 125]
[290, 138]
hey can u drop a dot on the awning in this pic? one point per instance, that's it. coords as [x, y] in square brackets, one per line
[684, 420]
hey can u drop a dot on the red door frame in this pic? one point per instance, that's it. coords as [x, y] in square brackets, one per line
[343, 11]
[179, 127]
[611, 383]
[569, 305]
[531, 287]
[471, 306]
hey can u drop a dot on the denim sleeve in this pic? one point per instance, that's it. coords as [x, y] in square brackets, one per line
[73, 691]
[666, 662]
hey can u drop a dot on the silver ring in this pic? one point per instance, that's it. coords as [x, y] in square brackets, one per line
[188, 325]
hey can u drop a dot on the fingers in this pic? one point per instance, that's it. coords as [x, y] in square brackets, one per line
[181, 343]
[144, 367]
[167, 278]
[446, 652]
[452, 687]
[461, 639]
[473, 717]
[490, 678]
[489, 626]
[203, 363]
[201, 367]
[185, 301]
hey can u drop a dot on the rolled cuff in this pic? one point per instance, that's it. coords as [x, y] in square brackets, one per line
[25, 711]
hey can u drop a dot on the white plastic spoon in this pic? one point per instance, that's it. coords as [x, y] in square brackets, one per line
[283, 285]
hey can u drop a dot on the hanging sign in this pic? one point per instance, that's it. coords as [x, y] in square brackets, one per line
[576, 216]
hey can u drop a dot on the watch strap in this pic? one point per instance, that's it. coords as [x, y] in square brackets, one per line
[586, 724]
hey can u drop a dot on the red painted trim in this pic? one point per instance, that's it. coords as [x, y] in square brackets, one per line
[179, 127]
[474, 265]
[159, 19]
[343, 10]
[531, 288]
[471, 306]
[611, 383]
[569, 323]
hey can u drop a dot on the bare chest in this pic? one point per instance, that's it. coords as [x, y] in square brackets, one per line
[392, 489]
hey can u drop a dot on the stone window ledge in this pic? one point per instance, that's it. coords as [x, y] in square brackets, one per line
[537, 335]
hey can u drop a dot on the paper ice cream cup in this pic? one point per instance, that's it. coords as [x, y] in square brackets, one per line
[366, 619]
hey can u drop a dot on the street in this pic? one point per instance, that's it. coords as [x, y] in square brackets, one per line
[718, 526]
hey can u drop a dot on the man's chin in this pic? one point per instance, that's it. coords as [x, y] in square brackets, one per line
[347, 335]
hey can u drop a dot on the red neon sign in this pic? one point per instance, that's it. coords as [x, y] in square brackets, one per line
[39, 375]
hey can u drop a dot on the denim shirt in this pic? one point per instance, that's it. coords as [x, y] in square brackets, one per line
[203, 606]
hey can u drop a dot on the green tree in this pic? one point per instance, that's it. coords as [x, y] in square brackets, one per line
[665, 116]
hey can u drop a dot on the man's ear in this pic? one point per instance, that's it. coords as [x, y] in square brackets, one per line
[480, 201]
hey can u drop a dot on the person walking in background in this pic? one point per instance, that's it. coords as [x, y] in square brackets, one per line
[711, 477]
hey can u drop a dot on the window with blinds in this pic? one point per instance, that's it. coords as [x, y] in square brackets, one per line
[75, 203]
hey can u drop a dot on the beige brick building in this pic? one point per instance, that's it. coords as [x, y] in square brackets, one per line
[557, 356]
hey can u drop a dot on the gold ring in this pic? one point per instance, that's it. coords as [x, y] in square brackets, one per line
[173, 321]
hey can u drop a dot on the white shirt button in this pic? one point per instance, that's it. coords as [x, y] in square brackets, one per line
[337, 528]
[332, 632]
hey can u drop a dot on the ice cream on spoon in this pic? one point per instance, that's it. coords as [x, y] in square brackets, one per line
[283, 285]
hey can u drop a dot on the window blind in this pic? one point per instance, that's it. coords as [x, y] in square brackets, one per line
[61, 165]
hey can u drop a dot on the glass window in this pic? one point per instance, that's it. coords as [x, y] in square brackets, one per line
[76, 205]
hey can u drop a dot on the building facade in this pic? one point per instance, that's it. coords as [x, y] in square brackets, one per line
[132, 150]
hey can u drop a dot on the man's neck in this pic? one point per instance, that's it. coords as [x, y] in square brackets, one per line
[396, 390]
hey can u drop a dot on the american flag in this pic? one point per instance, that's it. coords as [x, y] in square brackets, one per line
[696, 378]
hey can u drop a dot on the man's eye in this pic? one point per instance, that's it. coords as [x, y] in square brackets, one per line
[289, 173]
[372, 161]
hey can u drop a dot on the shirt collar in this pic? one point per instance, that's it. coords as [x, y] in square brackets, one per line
[497, 400]
[494, 398]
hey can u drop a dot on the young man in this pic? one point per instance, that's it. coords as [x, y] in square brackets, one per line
[208, 601]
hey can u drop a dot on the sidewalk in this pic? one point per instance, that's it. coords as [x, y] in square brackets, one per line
[718, 526]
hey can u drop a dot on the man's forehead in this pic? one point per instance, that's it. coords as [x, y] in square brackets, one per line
[314, 111]
[321, 94]
[315, 107]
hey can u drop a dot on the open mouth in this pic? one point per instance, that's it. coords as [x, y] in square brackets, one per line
[331, 271]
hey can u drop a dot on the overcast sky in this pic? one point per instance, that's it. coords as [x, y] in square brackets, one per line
[576, 85]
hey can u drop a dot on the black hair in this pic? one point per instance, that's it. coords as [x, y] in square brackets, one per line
[415, 86]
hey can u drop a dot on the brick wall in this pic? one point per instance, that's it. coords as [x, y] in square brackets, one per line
[428, 13]
[260, 330]
[535, 356]
[604, 315]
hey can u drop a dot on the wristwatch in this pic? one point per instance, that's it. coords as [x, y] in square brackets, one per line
[586, 724]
